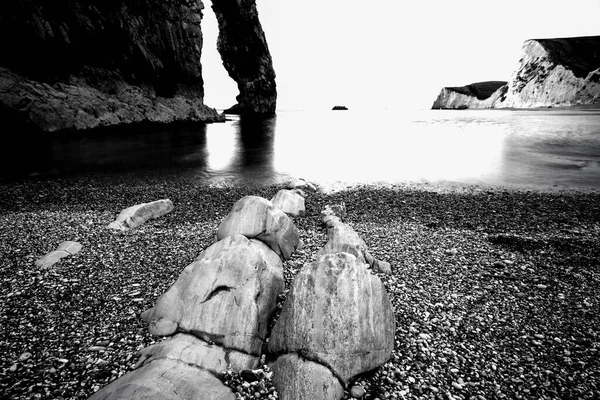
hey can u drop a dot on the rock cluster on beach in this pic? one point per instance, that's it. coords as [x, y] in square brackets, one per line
[217, 311]
[494, 289]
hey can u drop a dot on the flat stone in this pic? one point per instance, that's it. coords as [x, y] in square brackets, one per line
[298, 379]
[70, 247]
[51, 258]
[166, 380]
[338, 314]
[255, 217]
[226, 296]
[136, 215]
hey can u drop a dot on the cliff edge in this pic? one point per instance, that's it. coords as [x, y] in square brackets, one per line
[551, 72]
[75, 64]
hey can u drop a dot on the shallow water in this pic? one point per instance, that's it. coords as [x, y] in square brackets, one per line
[544, 148]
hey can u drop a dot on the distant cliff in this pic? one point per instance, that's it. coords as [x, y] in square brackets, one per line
[475, 95]
[551, 72]
[81, 64]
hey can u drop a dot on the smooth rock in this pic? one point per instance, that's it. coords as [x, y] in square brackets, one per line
[225, 296]
[65, 249]
[338, 314]
[134, 216]
[357, 391]
[290, 202]
[190, 350]
[303, 184]
[166, 380]
[344, 239]
[255, 217]
[298, 379]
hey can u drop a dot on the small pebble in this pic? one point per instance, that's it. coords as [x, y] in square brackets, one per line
[357, 391]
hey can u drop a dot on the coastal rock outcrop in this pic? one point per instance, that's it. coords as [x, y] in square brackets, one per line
[475, 95]
[550, 73]
[246, 57]
[76, 65]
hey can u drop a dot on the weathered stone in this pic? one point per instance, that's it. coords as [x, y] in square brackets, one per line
[299, 379]
[64, 249]
[255, 217]
[344, 239]
[166, 379]
[338, 314]
[193, 351]
[337, 210]
[302, 184]
[225, 296]
[134, 216]
[290, 202]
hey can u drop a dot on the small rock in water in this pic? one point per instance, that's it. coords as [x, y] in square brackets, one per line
[357, 391]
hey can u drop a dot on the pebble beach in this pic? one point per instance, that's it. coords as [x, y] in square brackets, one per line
[495, 290]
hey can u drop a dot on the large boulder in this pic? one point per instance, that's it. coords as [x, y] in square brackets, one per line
[166, 380]
[225, 296]
[298, 379]
[65, 249]
[190, 350]
[337, 314]
[290, 202]
[136, 215]
[255, 217]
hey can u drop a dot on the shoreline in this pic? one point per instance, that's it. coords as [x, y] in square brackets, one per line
[491, 288]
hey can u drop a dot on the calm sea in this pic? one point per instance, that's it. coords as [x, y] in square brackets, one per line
[543, 148]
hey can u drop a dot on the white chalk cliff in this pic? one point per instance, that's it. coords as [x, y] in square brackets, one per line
[550, 73]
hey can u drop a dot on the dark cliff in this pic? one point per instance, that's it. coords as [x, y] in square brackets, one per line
[81, 64]
[246, 57]
[551, 72]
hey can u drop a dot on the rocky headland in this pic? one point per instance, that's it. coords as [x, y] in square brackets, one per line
[77, 65]
[551, 73]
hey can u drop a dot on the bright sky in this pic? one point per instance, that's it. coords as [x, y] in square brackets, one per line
[390, 53]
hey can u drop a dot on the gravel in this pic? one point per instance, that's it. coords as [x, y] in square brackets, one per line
[495, 290]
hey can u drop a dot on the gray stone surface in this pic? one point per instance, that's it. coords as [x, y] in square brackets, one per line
[136, 215]
[338, 314]
[190, 350]
[166, 379]
[299, 379]
[226, 296]
[290, 202]
[63, 250]
[255, 217]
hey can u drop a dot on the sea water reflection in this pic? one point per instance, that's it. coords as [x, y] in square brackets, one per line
[540, 148]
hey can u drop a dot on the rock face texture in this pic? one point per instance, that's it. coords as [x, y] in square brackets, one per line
[338, 314]
[88, 64]
[290, 202]
[255, 217]
[77, 64]
[550, 73]
[166, 379]
[246, 57]
[235, 277]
